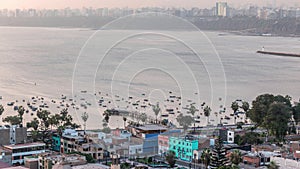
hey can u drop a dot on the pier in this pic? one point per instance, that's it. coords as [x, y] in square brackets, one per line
[278, 53]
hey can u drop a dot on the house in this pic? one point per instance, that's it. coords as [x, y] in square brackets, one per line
[184, 146]
[147, 130]
[48, 160]
[226, 135]
[252, 159]
[19, 151]
[72, 140]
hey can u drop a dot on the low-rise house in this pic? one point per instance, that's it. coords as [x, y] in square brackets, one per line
[49, 160]
[252, 159]
[31, 162]
[147, 130]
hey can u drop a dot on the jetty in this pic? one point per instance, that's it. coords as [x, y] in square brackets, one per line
[278, 53]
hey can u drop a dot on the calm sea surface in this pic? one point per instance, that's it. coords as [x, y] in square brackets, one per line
[149, 66]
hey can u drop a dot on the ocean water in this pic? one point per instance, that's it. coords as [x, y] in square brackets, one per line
[113, 65]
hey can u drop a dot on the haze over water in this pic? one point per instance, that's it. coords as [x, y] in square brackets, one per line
[40, 62]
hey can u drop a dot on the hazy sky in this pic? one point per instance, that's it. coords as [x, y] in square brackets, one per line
[12, 4]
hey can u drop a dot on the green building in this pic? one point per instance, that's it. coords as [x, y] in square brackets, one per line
[56, 142]
[183, 147]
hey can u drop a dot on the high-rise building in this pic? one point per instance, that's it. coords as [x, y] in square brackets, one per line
[221, 9]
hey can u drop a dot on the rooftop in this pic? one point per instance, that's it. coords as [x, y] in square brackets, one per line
[24, 145]
[91, 166]
[151, 127]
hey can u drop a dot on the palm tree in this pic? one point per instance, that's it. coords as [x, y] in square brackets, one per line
[156, 109]
[21, 112]
[124, 119]
[235, 108]
[84, 118]
[273, 165]
[192, 110]
[205, 157]
[236, 157]
[207, 111]
[1, 110]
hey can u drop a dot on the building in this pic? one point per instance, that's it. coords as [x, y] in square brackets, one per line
[183, 147]
[163, 140]
[56, 142]
[147, 130]
[252, 159]
[31, 162]
[12, 135]
[226, 135]
[221, 9]
[73, 141]
[19, 151]
[48, 160]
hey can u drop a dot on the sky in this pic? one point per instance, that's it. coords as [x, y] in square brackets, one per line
[50, 4]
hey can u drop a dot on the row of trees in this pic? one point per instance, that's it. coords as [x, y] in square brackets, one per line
[43, 123]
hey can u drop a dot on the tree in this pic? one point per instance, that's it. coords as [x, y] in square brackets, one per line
[143, 117]
[205, 157]
[273, 165]
[84, 118]
[21, 112]
[33, 124]
[236, 157]
[184, 121]
[156, 109]
[13, 120]
[296, 113]
[277, 120]
[218, 157]
[245, 106]
[1, 110]
[192, 110]
[235, 108]
[124, 119]
[170, 158]
[207, 111]
[54, 120]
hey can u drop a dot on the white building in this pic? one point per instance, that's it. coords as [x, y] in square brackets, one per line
[230, 137]
[19, 151]
[221, 9]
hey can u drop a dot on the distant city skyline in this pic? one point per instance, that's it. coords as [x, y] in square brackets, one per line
[59, 4]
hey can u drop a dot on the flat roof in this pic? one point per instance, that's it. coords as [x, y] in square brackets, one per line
[91, 166]
[16, 146]
[151, 127]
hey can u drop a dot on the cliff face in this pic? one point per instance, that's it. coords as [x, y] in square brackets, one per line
[240, 25]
